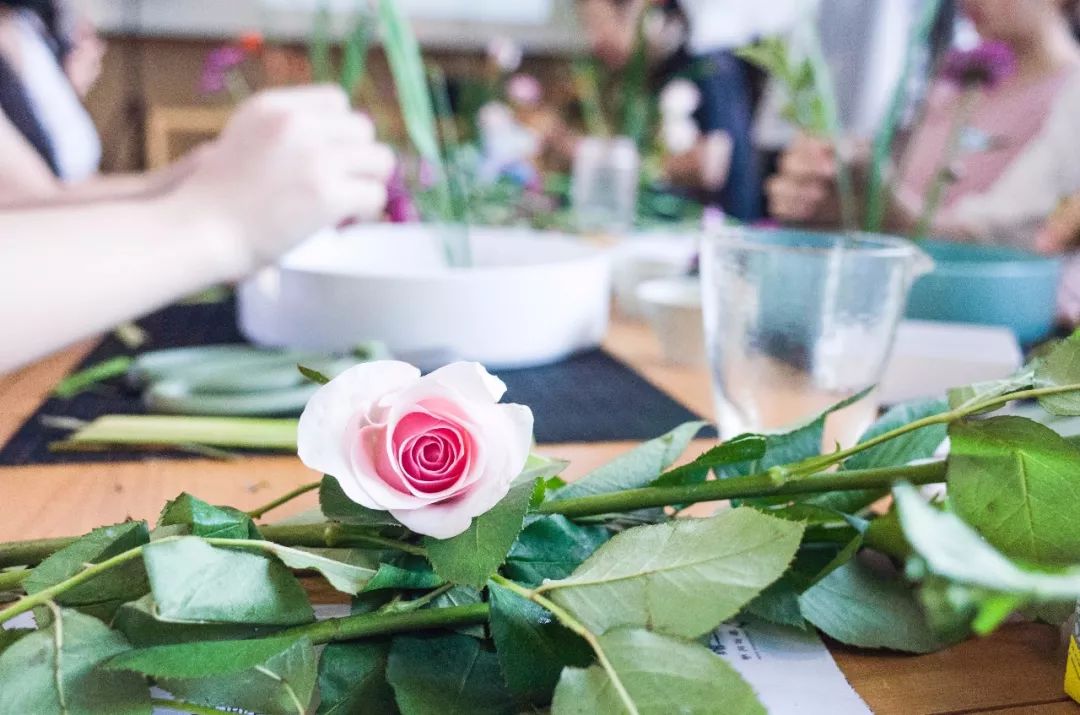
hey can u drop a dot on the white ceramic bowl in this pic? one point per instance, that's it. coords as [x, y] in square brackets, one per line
[530, 298]
[646, 256]
[673, 308]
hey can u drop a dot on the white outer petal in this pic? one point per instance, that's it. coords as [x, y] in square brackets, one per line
[470, 379]
[320, 434]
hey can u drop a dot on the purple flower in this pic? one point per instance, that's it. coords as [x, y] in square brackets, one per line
[987, 65]
[400, 207]
[217, 66]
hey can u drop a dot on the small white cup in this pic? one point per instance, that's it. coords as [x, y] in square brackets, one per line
[672, 307]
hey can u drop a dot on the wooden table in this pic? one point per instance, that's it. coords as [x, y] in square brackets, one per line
[1017, 671]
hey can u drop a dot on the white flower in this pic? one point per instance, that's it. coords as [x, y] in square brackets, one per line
[679, 135]
[679, 98]
[505, 54]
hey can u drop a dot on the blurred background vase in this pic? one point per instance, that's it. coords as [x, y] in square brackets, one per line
[796, 322]
[604, 184]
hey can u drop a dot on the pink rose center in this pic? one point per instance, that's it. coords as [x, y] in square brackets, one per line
[431, 452]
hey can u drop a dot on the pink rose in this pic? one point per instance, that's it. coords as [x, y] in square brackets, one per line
[435, 451]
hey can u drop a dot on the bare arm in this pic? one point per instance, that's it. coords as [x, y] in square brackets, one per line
[73, 272]
[290, 163]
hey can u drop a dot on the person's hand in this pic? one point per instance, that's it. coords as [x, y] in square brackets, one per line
[804, 189]
[289, 163]
[1062, 229]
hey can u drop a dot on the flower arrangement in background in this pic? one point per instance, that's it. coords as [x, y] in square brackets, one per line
[971, 73]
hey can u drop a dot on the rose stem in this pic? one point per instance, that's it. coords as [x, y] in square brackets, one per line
[366, 625]
[332, 534]
[755, 485]
[283, 499]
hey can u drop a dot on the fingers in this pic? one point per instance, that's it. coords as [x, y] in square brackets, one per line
[371, 161]
[808, 159]
[361, 199]
[352, 127]
[320, 99]
[795, 200]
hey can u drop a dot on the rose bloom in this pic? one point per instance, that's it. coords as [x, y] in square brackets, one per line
[434, 451]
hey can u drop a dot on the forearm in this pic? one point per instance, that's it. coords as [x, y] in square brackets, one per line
[68, 273]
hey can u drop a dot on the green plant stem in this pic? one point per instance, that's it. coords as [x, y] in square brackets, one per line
[283, 499]
[755, 485]
[817, 464]
[568, 620]
[47, 594]
[186, 707]
[883, 140]
[11, 580]
[332, 534]
[317, 536]
[368, 625]
[943, 176]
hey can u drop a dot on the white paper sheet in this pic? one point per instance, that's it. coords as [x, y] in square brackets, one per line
[790, 670]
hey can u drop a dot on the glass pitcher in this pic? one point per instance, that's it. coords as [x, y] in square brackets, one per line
[797, 321]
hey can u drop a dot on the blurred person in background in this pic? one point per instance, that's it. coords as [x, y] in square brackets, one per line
[290, 162]
[50, 58]
[720, 160]
[1011, 168]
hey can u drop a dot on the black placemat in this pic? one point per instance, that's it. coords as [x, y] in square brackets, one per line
[590, 397]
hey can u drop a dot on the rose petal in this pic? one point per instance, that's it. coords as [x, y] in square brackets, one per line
[470, 380]
[320, 434]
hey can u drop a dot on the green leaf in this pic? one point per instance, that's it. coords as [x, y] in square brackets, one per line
[981, 391]
[352, 679]
[1015, 482]
[537, 467]
[683, 577]
[533, 647]
[662, 675]
[473, 555]
[193, 581]
[394, 577]
[551, 548]
[446, 675]
[274, 676]
[636, 468]
[103, 594]
[8, 636]
[739, 449]
[83, 380]
[779, 603]
[783, 448]
[200, 659]
[137, 621]
[56, 670]
[953, 550]
[1061, 367]
[313, 375]
[407, 68]
[202, 519]
[354, 56]
[919, 444]
[345, 577]
[338, 507]
[856, 606]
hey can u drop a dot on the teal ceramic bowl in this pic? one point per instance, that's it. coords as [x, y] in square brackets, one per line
[988, 285]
